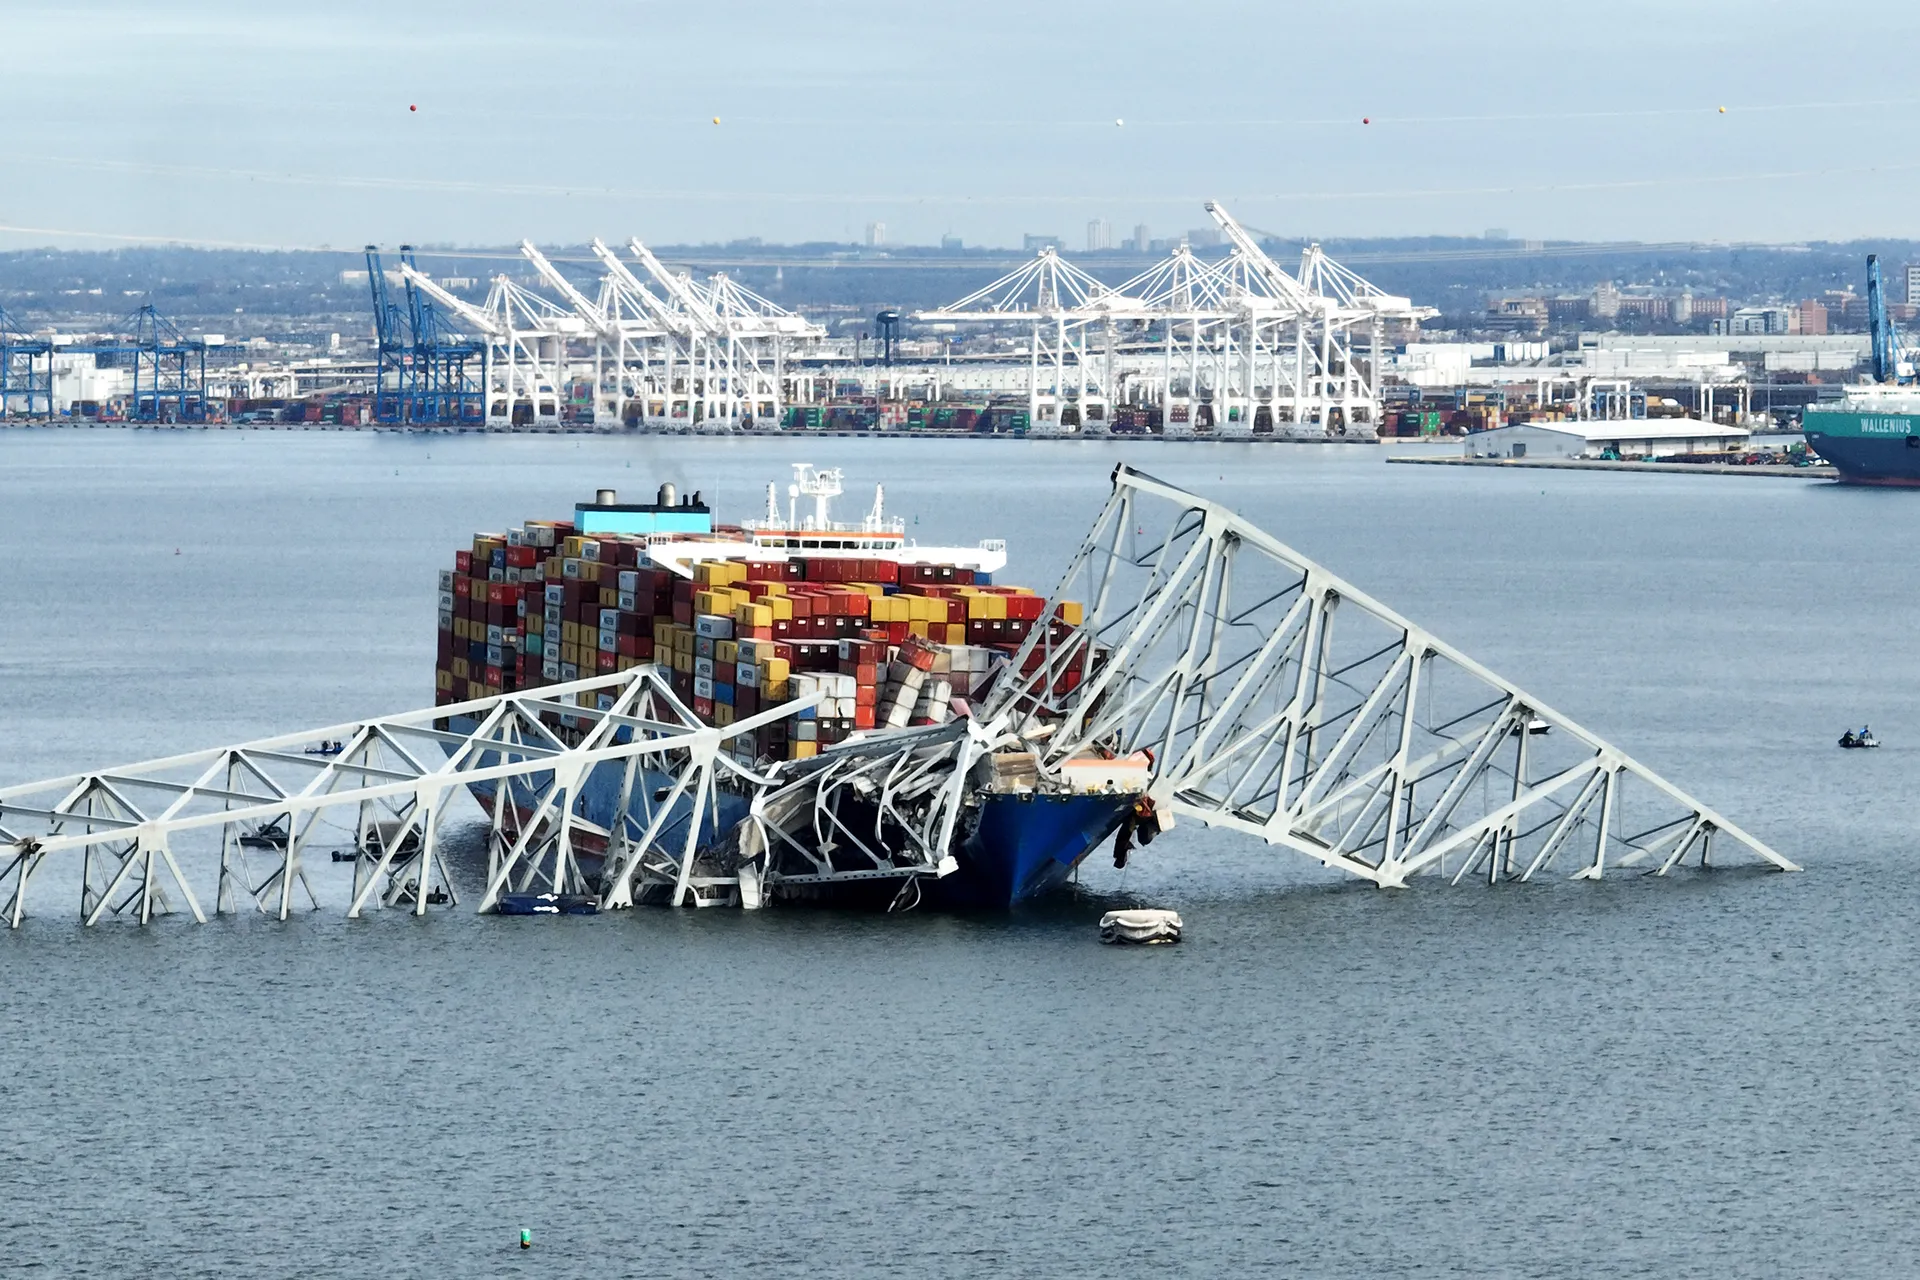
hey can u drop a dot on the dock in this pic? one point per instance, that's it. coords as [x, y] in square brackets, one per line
[1819, 472]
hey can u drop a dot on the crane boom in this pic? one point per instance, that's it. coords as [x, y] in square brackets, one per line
[1886, 338]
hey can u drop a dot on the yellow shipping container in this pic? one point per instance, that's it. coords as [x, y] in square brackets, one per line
[1071, 613]
[723, 713]
[443, 680]
[462, 668]
[726, 652]
[920, 628]
[753, 615]
[805, 750]
[956, 632]
[569, 632]
[771, 690]
[767, 589]
[775, 671]
[782, 607]
[683, 661]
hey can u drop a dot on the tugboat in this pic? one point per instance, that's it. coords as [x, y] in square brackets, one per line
[1856, 741]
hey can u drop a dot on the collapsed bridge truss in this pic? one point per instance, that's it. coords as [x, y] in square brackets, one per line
[1276, 700]
[1283, 703]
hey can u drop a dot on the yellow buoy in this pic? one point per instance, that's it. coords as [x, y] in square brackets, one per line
[716, 119]
[1723, 111]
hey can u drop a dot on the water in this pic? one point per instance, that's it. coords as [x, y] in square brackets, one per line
[1708, 1075]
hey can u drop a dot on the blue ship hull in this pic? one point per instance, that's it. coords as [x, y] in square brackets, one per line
[1021, 846]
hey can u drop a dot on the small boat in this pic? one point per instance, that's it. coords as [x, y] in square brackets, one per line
[271, 836]
[1857, 741]
[547, 904]
[1143, 927]
[1533, 728]
[327, 749]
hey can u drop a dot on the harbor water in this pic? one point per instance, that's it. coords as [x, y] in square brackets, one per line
[1708, 1075]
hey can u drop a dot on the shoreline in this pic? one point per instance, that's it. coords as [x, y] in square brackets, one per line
[1602, 464]
[901, 433]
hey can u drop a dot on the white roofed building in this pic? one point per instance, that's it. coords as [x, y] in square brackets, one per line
[1629, 438]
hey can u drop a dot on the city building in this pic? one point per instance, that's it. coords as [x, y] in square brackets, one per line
[1142, 239]
[1034, 244]
[1913, 283]
[876, 234]
[1099, 235]
[1813, 317]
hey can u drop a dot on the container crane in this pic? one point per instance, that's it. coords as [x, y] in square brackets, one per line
[1886, 338]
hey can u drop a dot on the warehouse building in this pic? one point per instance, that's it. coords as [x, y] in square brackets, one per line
[1630, 438]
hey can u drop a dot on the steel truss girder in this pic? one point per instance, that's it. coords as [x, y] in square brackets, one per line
[393, 780]
[1282, 702]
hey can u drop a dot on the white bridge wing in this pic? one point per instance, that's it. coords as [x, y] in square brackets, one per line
[1282, 702]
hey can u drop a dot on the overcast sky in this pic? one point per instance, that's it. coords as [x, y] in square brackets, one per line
[289, 125]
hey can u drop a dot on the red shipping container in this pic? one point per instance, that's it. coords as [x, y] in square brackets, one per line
[463, 563]
[491, 676]
[862, 717]
[703, 707]
[608, 661]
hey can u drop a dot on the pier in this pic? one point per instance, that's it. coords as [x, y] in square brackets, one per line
[1818, 472]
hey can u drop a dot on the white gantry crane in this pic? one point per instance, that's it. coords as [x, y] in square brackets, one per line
[666, 352]
[526, 366]
[1237, 346]
[1060, 306]
[1276, 699]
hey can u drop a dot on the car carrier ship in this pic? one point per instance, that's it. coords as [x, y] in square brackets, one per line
[1871, 435]
[885, 636]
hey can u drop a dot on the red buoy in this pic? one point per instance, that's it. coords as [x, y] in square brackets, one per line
[412, 107]
[1366, 119]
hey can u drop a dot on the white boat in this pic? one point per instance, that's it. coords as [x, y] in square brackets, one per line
[1143, 926]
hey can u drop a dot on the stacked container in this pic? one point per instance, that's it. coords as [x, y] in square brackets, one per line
[874, 643]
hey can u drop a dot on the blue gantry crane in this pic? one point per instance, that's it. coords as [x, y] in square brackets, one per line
[422, 374]
[26, 371]
[169, 369]
[1886, 338]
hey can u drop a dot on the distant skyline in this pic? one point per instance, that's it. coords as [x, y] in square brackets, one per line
[229, 123]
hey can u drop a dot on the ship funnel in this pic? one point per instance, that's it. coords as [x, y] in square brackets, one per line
[668, 495]
[603, 498]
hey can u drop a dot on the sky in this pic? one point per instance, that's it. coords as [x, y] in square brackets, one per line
[344, 122]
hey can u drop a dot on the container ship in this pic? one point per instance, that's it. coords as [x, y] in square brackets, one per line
[1871, 435]
[884, 635]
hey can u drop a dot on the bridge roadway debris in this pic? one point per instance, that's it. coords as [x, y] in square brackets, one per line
[1276, 699]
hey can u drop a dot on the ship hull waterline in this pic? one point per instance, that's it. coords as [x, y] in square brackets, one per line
[1022, 846]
